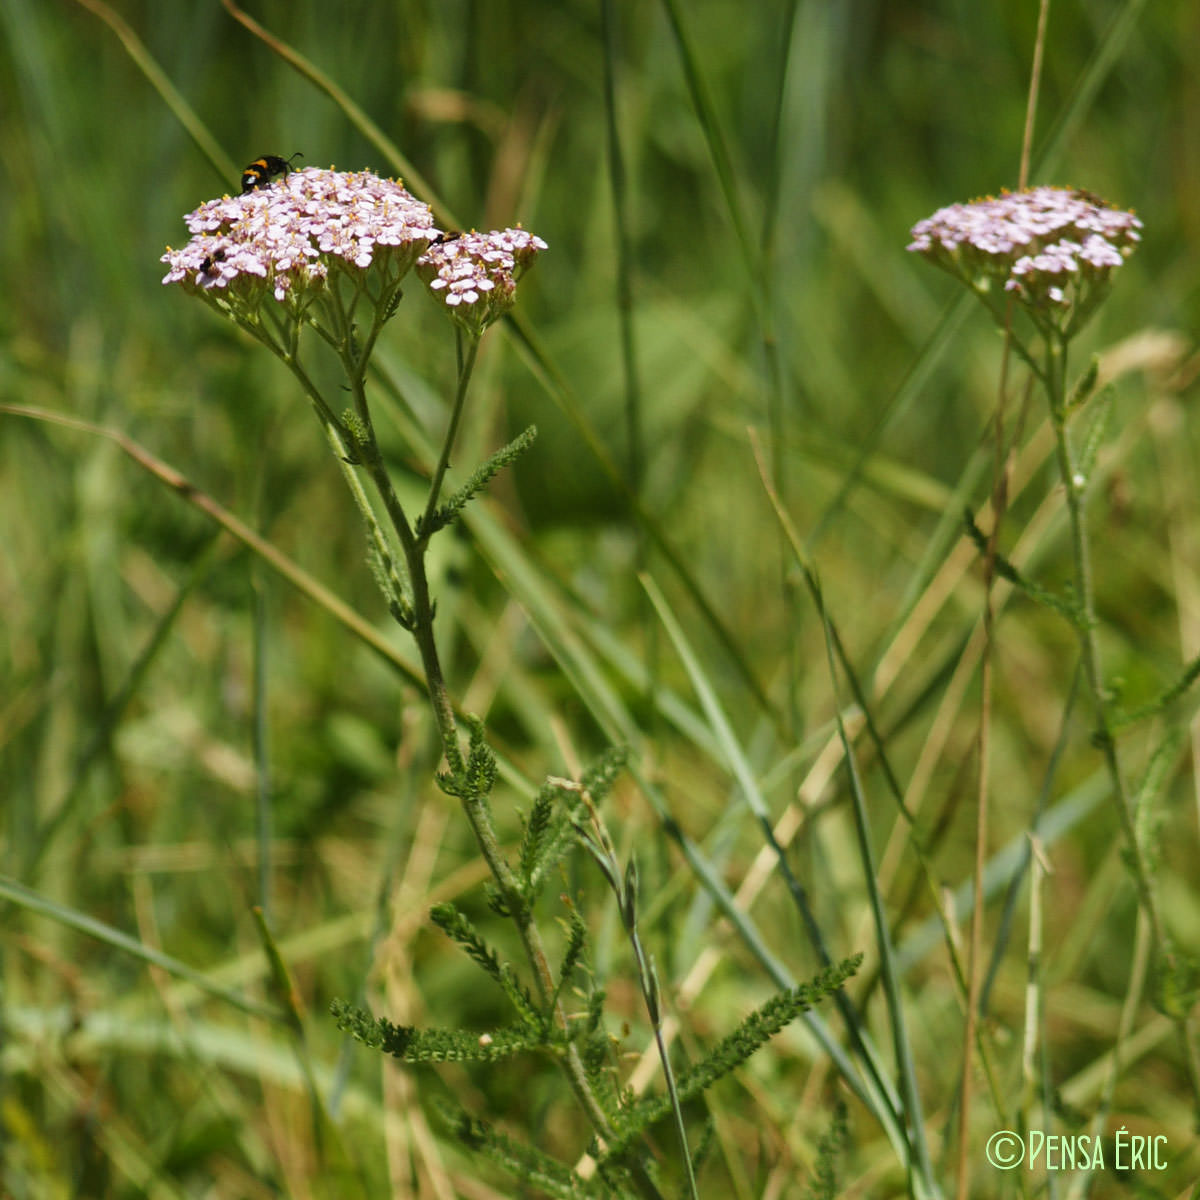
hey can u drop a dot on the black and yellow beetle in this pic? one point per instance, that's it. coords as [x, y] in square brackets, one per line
[262, 170]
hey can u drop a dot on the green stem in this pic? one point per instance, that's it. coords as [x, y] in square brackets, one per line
[346, 454]
[466, 365]
[475, 807]
[290, 355]
[1075, 486]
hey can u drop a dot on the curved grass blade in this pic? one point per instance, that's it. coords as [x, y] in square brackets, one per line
[33, 901]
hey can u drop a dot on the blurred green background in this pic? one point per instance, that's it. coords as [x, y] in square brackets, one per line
[129, 760]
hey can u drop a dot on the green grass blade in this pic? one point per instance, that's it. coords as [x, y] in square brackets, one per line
[34, 902]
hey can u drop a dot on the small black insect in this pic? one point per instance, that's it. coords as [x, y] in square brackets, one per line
[210, 260]
[442, 238]
[262, 170]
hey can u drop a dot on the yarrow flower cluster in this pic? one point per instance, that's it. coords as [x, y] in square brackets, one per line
[475, 274]
[287, 236]
[1054, 249]
[285, 239]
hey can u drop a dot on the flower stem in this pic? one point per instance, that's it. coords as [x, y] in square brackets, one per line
[475, 807]
[1075, 487]
[1169, 967]
[345, 453]
[466, 364]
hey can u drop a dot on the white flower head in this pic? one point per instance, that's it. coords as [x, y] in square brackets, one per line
[1054, 249]
[285, 238]
[475, 274]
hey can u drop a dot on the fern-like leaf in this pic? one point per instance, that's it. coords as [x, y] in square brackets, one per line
[457, 501]
[600, 775]
[1006, 570]
[576, 945]
[412, 1045]
[753, 1033]
[456, 927]
[1097, 433]
[533, 1168]
[1085, 385]
[1148, 816]
[460, 930]
[481, 760]
[1163, 700]
[537, 831]
[1175, 984]
[824, 1182]
[471, 781]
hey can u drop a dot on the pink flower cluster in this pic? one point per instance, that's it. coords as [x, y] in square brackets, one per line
[1053, 248]
[285, 238]
[289, 233]
[475, 274]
